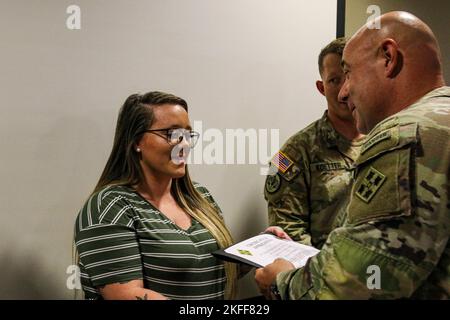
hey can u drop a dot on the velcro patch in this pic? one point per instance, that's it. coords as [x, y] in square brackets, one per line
[281, 161]
[273, 183]
[328, 166]
[371, 183]
[378, 138]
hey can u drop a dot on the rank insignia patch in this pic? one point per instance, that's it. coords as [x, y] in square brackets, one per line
[281, 161]
[273, 183]
[371, 183]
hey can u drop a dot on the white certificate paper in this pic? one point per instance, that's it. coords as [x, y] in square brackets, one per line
[263, 249]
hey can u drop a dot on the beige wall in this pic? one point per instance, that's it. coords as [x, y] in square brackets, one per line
[435, 13]
[238, 63]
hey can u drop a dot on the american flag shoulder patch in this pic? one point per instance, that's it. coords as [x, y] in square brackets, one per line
[282, 161]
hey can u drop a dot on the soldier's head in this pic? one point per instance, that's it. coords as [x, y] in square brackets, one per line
[332, 78]
[389, 68]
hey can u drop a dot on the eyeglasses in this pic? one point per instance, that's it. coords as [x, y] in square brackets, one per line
[175, 136]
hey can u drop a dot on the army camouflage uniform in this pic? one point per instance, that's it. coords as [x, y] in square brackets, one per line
[398, 217]
[305, 199]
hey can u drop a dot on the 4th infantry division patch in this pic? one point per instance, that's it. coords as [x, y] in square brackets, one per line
[370, 185]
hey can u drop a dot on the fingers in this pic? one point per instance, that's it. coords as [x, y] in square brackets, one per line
[284, 235]
[279, 232]
[258, 274]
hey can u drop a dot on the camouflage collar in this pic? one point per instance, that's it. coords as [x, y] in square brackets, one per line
[331, 137]
[392, 121]
[327, 131]
[439, 92]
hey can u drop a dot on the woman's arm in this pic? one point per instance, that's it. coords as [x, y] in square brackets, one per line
[130, 290]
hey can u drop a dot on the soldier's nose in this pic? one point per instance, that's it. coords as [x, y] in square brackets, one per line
[343, 93]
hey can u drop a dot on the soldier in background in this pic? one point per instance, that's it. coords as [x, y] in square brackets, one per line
[394, 240]
[313, 178]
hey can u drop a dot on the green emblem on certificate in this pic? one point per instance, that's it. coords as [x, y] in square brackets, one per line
[246, 252]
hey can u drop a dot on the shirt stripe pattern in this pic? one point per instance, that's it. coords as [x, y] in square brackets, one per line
[121, 237]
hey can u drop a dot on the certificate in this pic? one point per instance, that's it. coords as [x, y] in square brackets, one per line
[263, 249]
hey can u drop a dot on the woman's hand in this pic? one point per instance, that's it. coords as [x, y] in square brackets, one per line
[129, 290]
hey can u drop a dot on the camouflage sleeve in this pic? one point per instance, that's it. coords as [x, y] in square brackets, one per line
[394, 242]
[287, 197]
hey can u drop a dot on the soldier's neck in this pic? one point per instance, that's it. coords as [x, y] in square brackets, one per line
[346, 128]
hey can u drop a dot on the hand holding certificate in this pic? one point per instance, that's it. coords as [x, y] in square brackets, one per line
[263, 249]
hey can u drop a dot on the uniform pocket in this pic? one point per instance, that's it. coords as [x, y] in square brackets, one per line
[383, 187]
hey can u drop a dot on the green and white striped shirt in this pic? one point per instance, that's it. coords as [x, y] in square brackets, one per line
[121, 237]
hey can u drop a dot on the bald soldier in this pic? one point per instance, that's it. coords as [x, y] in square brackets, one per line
[313, 170]
[394, 240]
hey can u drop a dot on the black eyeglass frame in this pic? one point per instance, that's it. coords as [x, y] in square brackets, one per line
[194, 135]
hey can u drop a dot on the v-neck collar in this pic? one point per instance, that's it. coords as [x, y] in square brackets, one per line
[188, 230]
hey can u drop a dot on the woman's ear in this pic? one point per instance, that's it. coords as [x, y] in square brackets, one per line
[137, 146]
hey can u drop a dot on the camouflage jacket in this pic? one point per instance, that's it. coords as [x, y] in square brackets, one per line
[312, 181]
[394, 240]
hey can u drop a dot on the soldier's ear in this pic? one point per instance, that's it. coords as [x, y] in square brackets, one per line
[320, 87]
[392, 57]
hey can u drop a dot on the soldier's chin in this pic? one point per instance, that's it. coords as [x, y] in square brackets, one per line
[361, 128]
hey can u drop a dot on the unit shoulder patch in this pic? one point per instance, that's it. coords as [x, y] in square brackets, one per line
[273, 183]
[370, 185]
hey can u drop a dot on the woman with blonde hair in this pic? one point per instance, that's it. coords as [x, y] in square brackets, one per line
[147, 231]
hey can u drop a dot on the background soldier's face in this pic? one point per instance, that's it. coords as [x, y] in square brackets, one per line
[333, 79]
